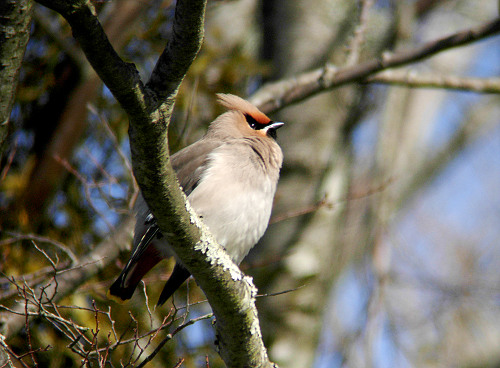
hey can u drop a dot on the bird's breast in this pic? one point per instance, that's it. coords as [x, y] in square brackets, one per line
[235, 198]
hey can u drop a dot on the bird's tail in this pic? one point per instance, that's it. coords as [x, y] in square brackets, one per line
[178, 276]
[124, 286]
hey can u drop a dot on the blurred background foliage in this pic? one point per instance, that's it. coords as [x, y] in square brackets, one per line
[386, 217]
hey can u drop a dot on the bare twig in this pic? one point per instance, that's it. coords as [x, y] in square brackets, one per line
[8, 164]
[324, 203]
[179, 363]
[7, 353]
[87, 186]
[171, 335]
[143, 284]
[18, 236]
[359, 33]
[281, 292]
[431, 80]
[111, 135]
[301, 211]
[69, 280]
[27, 327]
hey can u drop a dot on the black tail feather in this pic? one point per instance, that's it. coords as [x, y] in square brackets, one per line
[177, 278]
[120, 293]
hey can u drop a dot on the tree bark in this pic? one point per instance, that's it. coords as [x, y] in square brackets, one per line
[14, 36]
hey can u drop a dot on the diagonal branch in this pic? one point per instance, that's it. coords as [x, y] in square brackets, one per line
[180, 52]
[275, 96]
[230, 293]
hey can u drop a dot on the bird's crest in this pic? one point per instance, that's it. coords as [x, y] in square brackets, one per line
[233, 102]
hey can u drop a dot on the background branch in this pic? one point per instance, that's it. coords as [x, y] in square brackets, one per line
[435, 80]
[275, 96]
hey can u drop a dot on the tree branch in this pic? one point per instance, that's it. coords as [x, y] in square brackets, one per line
[120, 77]
[275, 96]
[230, 293]
[180, 52]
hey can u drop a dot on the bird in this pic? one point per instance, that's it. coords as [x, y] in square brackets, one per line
[229, 177]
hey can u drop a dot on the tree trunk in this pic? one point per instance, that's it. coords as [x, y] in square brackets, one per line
[14, 36]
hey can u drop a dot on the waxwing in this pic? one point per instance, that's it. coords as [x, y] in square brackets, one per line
[229, 177]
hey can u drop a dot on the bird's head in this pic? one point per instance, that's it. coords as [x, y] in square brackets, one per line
[244, 119]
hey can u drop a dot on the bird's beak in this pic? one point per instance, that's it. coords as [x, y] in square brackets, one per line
[275, 125]
[271, 128]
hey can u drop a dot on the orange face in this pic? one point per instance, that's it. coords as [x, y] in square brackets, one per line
[262, 125]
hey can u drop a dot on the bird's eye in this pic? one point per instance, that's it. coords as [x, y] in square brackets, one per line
[254, 124]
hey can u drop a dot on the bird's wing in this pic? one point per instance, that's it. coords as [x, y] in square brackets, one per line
[152, 230]
[143, 258]
[191, 162]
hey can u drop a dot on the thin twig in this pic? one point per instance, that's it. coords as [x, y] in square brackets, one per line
[324, 203]
[18, 236]
[10, 159]
[28, 331]
[170, 336]
[359, 33]
[87, 186]
[179, 363]
[143, 284]
[10, 353]
[301, 211]
[113, 138]
[281, 292]
[430, 80]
